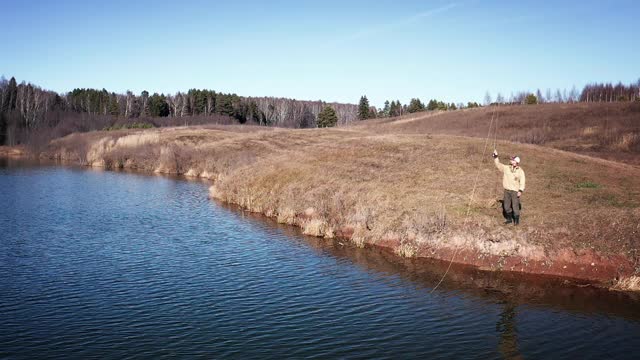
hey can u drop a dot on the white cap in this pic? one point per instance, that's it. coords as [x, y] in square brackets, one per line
[516, 159]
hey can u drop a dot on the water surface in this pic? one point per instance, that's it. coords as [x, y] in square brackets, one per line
[112, 265]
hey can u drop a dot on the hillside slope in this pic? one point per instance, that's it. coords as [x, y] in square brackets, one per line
[606, 130]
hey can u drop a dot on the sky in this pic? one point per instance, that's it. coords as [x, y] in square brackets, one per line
[455, 51]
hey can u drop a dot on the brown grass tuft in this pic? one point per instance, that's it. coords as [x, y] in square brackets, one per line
[631, 283]
[627, 142]
[590, 131]
[315, 227]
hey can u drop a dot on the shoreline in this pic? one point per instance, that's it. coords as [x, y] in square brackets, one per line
[483, 244]
[586, 267]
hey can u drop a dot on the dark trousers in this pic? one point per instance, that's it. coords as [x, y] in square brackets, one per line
[511, 203]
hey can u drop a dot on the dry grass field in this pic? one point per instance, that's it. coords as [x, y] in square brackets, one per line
[605, 130]
[408, 184]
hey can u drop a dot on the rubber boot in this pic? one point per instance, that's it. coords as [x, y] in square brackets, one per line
[516, 220]
[509, 218]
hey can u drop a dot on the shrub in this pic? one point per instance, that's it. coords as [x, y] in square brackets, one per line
[134, 125]
[531, 99]
[587, 185]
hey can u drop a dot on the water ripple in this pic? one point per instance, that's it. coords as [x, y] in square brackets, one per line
[99, 264]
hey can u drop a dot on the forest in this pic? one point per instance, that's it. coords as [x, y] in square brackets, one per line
[29, 113]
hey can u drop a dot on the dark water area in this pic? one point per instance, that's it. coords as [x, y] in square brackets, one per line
[100, 264]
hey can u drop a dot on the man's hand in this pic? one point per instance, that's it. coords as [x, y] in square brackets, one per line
[519, 193]
[495, 155]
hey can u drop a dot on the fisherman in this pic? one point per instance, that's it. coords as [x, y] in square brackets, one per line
[513, 183]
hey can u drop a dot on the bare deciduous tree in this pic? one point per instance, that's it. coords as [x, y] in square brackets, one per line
[539, 97]
[487, 99]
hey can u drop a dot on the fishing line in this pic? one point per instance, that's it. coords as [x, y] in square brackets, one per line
[473, 192]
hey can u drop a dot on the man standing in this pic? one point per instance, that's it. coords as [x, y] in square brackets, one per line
[513, 183]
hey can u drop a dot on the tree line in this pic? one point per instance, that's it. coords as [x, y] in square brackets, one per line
[269, 111]
[601, 92]
[595, 92]
[27, 110]
[396, 108]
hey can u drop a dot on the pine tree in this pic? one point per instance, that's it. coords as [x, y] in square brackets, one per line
[253, 113]
[327, 117]
[385, 111]
[396, 108]
[363, 108]
[197, 101]
[392, 108]
[224, 104]
[114, 109]
[415, 105]
[158, 106]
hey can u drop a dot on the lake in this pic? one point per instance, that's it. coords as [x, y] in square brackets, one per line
[122, 265]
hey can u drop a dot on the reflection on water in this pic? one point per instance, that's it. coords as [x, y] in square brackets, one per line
[506, 327]
[99, 264]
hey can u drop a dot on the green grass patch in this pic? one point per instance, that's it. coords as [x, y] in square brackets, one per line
[556, 180]
[588, 185]
[129, 126]
[608, 199]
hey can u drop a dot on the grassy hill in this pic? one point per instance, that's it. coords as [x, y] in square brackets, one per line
[408, 184]
[605, 130]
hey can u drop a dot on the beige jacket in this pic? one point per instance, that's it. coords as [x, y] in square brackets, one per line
[513, 177]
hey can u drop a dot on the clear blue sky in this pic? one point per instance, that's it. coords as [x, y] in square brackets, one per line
[329, 50]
